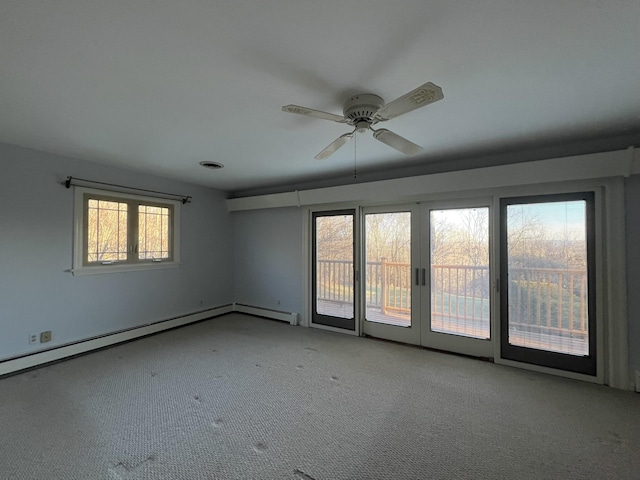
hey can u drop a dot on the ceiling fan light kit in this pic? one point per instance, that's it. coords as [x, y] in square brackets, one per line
[365, 110]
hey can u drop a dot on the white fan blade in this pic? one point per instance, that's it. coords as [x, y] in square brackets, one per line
[396, 141]
[310, 112]
[333, 146]
[419, 97]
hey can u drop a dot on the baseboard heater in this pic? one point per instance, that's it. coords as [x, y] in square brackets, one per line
[289, 317]
[35, 359]
[30, 360]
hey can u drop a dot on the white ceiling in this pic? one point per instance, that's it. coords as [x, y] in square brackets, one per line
[159, 85]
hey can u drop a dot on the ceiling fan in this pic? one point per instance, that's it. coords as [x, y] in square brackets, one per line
[365, 110]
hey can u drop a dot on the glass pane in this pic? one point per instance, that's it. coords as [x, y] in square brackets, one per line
[153, 232]
[547, 270]
[334, 265]
[106, 231]
[460, 272]
[388, 268]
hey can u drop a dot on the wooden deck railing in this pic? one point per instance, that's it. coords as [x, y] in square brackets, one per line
[549, 300]
[552, 301]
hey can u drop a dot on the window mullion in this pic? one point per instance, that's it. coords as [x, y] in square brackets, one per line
[132, 237]
[85, 229]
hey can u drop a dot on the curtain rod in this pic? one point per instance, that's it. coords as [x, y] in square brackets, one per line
[70, 181]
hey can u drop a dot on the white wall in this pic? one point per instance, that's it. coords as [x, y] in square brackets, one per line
[38, 293]
[632, 208]
[268, 259]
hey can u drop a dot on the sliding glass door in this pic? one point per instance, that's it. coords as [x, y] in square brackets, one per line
[334, 269]
[547, 294]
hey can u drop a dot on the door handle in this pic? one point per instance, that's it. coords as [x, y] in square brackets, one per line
[417, 276]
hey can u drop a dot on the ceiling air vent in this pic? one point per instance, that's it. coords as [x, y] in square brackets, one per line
[212, 165]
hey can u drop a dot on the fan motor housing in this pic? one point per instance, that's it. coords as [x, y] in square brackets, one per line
[362, 108]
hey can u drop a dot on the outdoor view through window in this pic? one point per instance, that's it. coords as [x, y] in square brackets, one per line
[544, 261]
[334, 265]
[547, 274]
[126, 231]
[460, 288]
[107, 231]
[388, 268]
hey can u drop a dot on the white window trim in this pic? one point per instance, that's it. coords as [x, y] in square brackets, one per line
[78, 230]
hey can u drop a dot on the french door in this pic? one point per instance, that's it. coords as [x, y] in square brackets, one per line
[426, 276]
[423, 274]
[392, 281]
[458, 295]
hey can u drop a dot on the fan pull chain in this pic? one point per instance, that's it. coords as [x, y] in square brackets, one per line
[355, 155]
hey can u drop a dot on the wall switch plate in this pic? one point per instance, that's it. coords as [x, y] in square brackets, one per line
[33, 338]
[45, 336]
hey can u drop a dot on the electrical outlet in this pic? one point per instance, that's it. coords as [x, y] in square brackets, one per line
[33, 338]
[45, 336]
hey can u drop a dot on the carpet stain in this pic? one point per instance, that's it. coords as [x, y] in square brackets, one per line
[260, 447]
[334, 378]
[153, 374]
[299, 367]
[197, 398]
[612, 439]
[121, 470]
[302, 475]
[218, 422]
[309, 349]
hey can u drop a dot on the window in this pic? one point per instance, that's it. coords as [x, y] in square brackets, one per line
[122, 232]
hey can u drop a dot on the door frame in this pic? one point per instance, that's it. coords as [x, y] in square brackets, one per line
[585, 365]
[348, 325]
[609, 259]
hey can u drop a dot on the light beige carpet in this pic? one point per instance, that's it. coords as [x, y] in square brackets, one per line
[239, 397]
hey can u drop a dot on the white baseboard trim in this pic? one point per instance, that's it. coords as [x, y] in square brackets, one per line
[64, 351]
[289, 317]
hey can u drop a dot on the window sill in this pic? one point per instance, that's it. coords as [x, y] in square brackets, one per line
[125, 267]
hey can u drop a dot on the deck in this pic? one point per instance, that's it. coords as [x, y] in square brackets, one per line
[477, 328]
